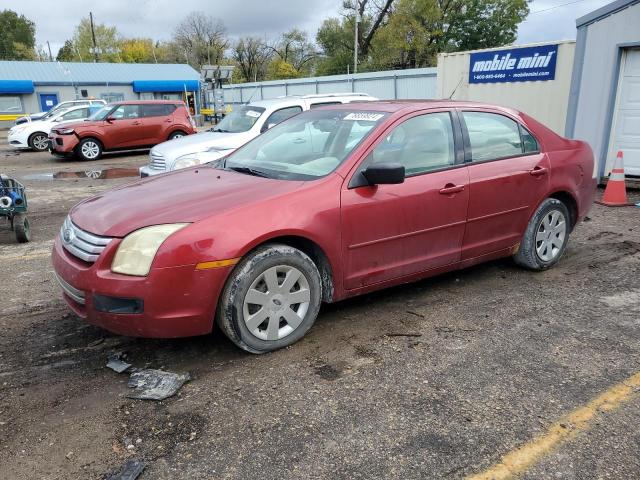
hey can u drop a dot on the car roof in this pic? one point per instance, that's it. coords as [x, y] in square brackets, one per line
[148, 102]
[297, 99]
[411, 105]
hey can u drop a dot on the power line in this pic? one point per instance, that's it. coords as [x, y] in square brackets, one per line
[556, 6]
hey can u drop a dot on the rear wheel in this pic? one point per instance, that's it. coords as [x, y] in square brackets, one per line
[39, 141]
[271, 299]
[89, 149]
[22, 228]
[546, 236]
[178, 134]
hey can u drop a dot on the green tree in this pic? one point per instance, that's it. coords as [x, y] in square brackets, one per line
[17, 36]
[137, 50]
[420, 29]
[66, 52]
[294, 49]
[278, 69]
[107, 42]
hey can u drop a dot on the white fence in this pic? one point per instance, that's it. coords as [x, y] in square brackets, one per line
[419, 83]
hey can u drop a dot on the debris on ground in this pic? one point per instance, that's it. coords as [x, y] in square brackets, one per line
[116, 363]
[131, 469]
[153, 384]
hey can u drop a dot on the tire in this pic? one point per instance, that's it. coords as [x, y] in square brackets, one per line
[89, 149]
[22, 228]
[238, 317]
[39, 141]
[546, 236]
[178, 134]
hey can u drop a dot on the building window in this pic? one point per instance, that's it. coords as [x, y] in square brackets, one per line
[10, 104]
[146, 96]
[112, 97]
[171, 96]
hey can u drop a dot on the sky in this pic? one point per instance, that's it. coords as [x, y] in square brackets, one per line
[549, 19]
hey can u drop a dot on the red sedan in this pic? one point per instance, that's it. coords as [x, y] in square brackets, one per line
[332, 203]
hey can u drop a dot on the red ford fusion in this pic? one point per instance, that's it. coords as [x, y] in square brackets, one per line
[332, 203]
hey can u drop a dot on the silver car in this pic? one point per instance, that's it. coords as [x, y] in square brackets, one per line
[243, 124]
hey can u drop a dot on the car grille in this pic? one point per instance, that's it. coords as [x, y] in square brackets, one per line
[157, 161]
[84, 245]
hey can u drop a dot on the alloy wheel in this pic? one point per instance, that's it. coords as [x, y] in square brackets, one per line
[276, 302]
[550, 235]
[40, 142]
[90, 150]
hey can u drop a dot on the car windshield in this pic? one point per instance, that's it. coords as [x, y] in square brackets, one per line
[240, 120]
[102, 113]
[305, 147]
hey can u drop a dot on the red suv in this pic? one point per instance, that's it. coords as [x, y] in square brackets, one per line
[331, 203]
[122, 126]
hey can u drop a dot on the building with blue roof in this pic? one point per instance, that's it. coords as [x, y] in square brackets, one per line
[28, 87]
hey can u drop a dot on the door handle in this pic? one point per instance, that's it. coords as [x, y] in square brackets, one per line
[537, 171]
[450, 188]
[168, 120]
[135, 123]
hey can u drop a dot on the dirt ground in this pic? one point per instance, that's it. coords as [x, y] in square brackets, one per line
[437, 379]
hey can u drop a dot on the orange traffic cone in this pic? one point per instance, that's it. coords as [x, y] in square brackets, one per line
[615, 195]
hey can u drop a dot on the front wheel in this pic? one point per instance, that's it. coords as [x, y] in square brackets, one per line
[22, 228]
[39, 141]
[177, 134]
[546, 236]
[271, 299]
[89, 149]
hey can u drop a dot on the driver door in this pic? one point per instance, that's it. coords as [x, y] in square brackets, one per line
[126, 129]
[392, 231]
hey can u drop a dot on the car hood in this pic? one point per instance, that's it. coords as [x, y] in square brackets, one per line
[201, 142]
[187, 195]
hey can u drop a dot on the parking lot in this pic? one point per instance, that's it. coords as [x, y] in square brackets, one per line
[491, 370]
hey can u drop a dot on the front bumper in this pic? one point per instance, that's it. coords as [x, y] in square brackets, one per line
[18, 140]
[174, 301]
[62, 144]
[147, 171]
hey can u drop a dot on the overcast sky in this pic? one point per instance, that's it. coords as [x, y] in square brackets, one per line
[56, 20]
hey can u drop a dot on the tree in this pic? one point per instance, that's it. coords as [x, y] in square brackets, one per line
[280, 70]
[201, 39]
[336, 36]
[251, 56]
[17, 36]
[137, 50]
[66, 52]
[420, 29]
[107, 42]
[295, 49]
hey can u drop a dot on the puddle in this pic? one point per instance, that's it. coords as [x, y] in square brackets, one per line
[104, 174]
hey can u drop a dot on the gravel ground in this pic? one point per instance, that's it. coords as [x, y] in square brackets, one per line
[437, 379]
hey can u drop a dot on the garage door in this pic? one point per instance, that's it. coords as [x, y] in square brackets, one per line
[626, 127]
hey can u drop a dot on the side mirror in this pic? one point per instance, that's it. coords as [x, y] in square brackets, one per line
[111, 119]
[384, 173]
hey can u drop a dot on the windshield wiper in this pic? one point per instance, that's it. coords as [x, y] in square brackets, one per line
[249, 171]
[219, 130]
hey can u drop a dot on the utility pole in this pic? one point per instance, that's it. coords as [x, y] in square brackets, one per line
[93, 35]
[50, 56]
[355, 37]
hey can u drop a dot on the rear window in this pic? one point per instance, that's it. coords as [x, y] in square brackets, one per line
[157, 110]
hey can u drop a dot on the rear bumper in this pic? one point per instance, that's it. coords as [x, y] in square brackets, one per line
[62, 144]
[171, 302]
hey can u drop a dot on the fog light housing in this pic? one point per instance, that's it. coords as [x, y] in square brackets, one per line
[102, 303]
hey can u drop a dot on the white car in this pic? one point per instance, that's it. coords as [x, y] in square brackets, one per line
[59, 107]
[35, 135]
[243, 124]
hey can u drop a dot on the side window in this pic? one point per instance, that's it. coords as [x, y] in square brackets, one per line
[421, 144]
[169, 109]
[75, 114]
[529, 142]
[492, 136]
[281, 115]
[126, 112]
[154, 110]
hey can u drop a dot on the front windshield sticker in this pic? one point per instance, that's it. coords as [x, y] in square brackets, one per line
[370, 117]
[252, 113]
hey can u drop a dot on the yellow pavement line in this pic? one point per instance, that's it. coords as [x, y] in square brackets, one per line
[25, 257]
[519, 460]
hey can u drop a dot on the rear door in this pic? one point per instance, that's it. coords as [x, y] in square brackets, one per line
[508, 178]
[157, 119]
[390, 231]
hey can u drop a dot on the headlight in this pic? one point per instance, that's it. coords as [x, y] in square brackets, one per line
[138, 249]
[186, 161]
[64, 131]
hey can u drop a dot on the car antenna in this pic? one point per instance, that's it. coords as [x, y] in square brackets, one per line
[456, 89]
